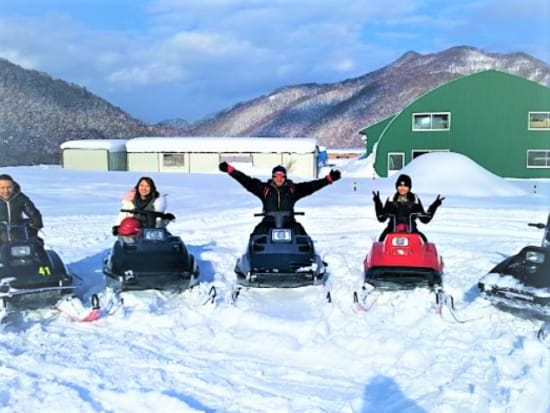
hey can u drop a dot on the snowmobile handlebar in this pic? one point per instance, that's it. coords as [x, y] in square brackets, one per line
[538, 225]
[279, 216]
[412, 216]
[163, 215]
[278, 213]
[11, 232]
[150, 216]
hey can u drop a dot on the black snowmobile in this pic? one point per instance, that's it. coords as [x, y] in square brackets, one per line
[147, 256]
[280, 258]
[30, 275]
[522, 281]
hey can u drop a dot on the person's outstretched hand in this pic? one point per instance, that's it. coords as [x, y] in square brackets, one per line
[377, 202]
[169, 216]
[223, 166]
[334, 175]
[436, 204]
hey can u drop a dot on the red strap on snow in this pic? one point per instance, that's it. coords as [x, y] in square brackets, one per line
[92, 315]
[329, 179]
[230, 169]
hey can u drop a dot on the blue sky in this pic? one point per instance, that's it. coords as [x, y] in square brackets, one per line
[163, 59]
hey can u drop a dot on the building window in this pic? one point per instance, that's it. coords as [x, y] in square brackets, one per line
[236, 157]
[538, 159]
[396, 161]
[418, 152]
[431, 121]
[539, 120]
[173, 159]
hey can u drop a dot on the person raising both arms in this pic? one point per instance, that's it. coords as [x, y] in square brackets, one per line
[279, 193]
[399, 207]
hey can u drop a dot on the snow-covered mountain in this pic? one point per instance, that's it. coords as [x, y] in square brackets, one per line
[335, 112]
[37, 112]
[283, 350]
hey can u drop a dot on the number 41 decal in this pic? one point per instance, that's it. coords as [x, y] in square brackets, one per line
[44, 271]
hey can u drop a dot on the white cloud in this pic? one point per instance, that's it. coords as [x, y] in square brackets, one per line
[15, 56]
[343, 65]
[240, 49]
[201, 44]
[153, 73]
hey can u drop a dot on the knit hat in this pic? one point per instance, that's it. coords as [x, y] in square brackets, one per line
[403, 180]
[279, 168]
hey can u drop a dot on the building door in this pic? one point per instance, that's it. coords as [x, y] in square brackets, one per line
[396, 161]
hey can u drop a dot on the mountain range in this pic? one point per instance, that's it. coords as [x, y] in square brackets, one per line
[37, 112]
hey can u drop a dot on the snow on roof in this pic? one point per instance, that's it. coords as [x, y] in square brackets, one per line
[345, 150]
[112, 145]
[217, 144]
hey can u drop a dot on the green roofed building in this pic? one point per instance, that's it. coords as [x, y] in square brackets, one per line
[500, 121]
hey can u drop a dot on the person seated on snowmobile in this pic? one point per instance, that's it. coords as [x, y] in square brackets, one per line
[401, 205]
[143, 197]
[279, 193]
[17, 208]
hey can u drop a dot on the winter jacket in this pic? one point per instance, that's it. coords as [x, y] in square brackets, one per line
[401, 207]
[280, 198]
[129, 202]
[18, 205]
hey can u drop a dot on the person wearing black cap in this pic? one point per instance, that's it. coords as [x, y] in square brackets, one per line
[278, 193]
[401, 205]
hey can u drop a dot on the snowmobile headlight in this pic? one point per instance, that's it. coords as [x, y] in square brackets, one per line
[281, 235]
[400, 242]
[153, 234]
[535, 257]
[21, 251]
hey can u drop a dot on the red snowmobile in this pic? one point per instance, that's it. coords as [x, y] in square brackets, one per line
[404, 259]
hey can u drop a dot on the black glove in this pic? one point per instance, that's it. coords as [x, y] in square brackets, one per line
[115, 230]
[224, 166]
[169, 216]
[378, 207]
[35, 222]
[435, 204]
[334, 174]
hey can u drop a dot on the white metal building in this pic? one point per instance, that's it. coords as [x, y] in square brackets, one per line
[203, 154]
[94, 154]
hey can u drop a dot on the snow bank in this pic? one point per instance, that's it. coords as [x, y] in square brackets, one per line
[441, 173]
[456, 174]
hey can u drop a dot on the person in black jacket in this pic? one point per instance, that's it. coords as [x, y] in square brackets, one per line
[15, 205]
[401, 205]
[279, 193]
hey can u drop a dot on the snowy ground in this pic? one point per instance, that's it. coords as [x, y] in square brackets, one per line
[283, 350]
